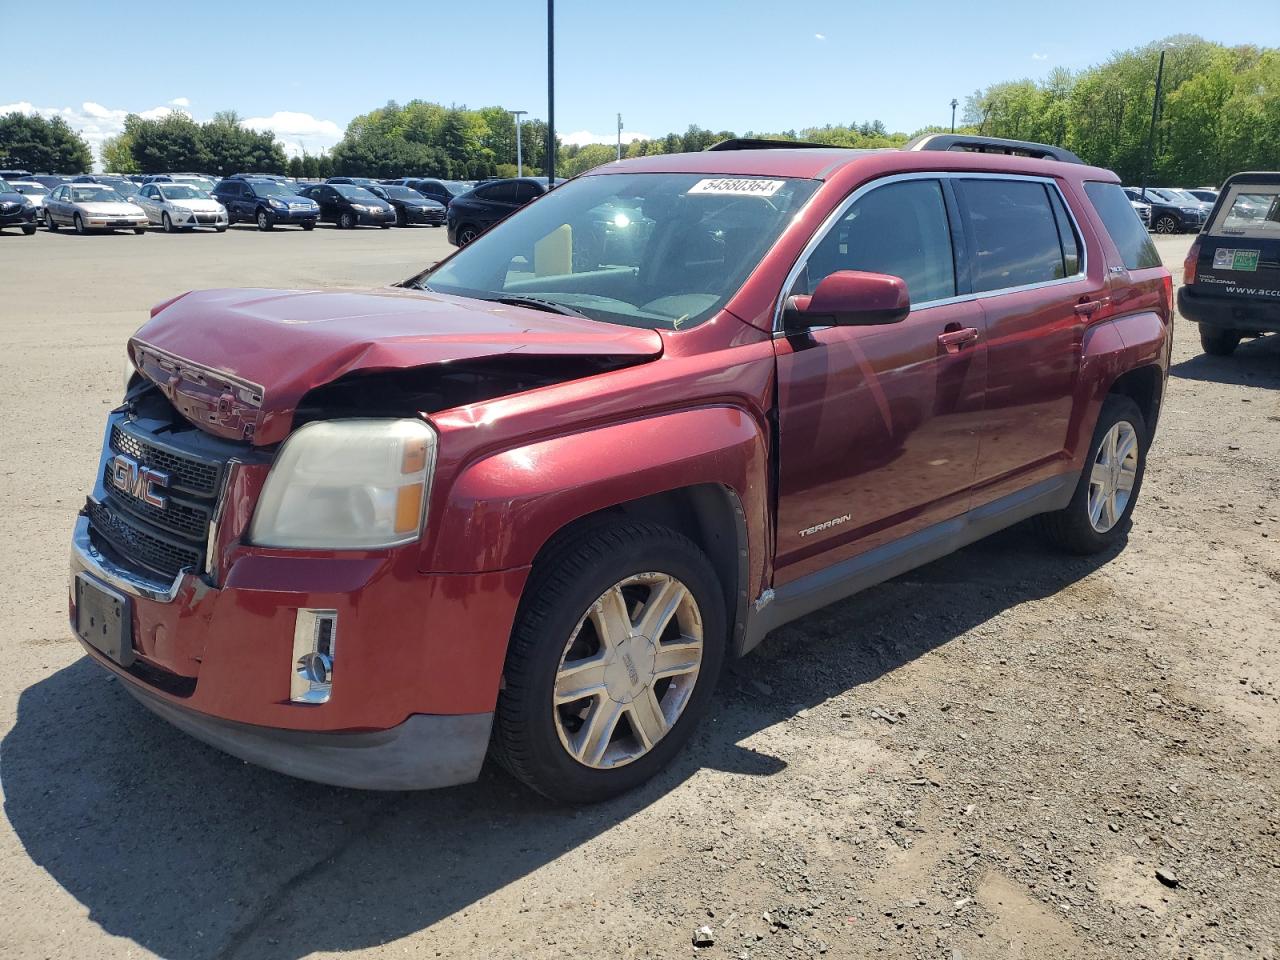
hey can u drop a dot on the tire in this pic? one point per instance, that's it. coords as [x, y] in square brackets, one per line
[219, 229]
[467, 234]
[346, 220]
[167, 224]
[402, 218]
[533, 738]
[1073, 528]
[385, 226]
[79, 225]
[140, 231]
[29, 229]
[1167, 224]
[1219, 341]
[50, 224]
[265, 222]
[308, 226]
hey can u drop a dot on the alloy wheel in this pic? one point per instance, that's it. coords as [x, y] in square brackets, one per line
[1166, 225]
[628, 670]
[1115, 468]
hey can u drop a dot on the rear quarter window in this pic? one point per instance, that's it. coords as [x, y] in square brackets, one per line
[1250, 210]
[1123, 224]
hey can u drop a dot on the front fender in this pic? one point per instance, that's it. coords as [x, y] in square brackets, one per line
[502, 509]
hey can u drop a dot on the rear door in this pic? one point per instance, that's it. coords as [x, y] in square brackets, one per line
[878, 426]
[1036, 291]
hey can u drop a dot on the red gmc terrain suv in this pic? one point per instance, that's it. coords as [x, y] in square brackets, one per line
[529, 501]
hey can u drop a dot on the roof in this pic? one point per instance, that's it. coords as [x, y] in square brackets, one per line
[822, 163]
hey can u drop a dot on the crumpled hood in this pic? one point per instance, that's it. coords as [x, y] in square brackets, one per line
[237, 362]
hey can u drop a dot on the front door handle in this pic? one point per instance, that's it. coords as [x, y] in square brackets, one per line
[1087, 308]
[954, 340]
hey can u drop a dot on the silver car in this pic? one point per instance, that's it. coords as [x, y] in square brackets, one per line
[181, 206]
[91, 206]
[35, 192]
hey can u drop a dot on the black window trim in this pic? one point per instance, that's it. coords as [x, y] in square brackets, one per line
[947, 177]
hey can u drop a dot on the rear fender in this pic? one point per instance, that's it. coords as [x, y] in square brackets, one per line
[1111, 349]
[502, 509]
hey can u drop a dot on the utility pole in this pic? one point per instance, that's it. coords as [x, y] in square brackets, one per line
[516, 115]
[551, 93]
[954, 103]
[1151, 134]
[619, 136]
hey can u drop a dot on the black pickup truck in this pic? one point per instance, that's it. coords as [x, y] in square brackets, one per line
[1231, 277]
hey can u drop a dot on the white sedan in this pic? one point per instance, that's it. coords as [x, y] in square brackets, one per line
[35, 192]
[91, 206]
[181, 206]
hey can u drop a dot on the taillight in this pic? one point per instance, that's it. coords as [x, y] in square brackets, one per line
[1189, 264]
[1168, 291]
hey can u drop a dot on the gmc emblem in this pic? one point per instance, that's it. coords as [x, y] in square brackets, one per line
[138, 481]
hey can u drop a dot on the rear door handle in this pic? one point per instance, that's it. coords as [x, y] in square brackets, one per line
[954, 340]
[1088, 307]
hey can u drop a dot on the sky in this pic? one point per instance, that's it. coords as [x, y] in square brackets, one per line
[305, 70]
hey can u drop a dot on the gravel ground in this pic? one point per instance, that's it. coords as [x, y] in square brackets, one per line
[1004, 754]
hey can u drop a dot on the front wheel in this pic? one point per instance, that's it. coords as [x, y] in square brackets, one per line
[617, 645]
[308, 226]
[79, 225]
[264, 220]
[347, 221]
[1107, 492]
[50, 224]
[29, 229]
[1166, 224]
[466, 235]
[166, 222]
[1219, 341]
[140, 231]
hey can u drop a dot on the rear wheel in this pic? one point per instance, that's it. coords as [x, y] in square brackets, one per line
[264, 220]
[1219, 341]
[1099, 511]
[614, 657]
[140, 231]
[308, 226]
[402, 218]
[79, 225]
[29, 229]
[1166, 224]
[467, 234]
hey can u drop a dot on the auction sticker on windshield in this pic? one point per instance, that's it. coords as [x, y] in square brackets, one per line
[741, 187]
[1243, 260]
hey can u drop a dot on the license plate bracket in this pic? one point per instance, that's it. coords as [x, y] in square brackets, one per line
[104, 619]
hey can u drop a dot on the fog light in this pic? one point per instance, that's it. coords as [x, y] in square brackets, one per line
[315, 633]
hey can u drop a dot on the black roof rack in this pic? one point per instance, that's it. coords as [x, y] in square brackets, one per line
[975, 144]
[758, 143]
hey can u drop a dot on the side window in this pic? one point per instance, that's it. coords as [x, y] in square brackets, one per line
[1066, 233]
[149, 192]
[526, 192]
[1123, 225]
[501, 193]
[1013, 233]
[900, 229]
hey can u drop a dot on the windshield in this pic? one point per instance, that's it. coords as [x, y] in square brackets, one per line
[93, 193]
[5, 188]
[457, 187]
[1164, 196]
[402, 193]
[270, 188]
[353, 192]
[31, 189]
[657, 250]
[180, 191]
[200, 183]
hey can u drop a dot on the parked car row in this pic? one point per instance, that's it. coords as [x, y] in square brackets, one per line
[1173, 210]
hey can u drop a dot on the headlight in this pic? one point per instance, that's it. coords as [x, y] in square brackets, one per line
[1190, 210]
[347, 485]
[277, 203]
[360, 206]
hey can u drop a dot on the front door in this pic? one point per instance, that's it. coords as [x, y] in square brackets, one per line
[878, 426]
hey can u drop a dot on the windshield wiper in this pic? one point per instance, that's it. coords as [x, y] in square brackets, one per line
[537, 303]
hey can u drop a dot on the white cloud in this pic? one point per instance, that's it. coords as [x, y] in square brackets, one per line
[819, 36]
[1039, 56]
[179, 102]
[298, 131]
[582, 137]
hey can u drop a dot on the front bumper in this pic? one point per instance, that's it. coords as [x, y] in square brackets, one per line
[1256, 315]
[424, 215]
[114, 223]
[422, 753]
[202, 219]
[416, 668]
[19, 218]
[376, 217]
[310, 215]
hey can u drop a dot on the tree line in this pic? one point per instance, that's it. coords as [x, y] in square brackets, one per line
[1219, 113]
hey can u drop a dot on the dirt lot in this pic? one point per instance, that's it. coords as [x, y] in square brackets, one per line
[990, 757]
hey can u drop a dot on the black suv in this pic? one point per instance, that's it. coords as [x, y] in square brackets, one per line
[265, 202]
[409, 204]
[473, 213]
[1231, 277]
[1169, 213]
[349, 205]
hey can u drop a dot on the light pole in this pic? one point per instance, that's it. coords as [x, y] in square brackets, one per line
[516, 115]
[954, 103]
[1151, 134]
[619, 136]
[551, 93]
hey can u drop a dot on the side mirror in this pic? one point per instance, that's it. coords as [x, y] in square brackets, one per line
[849, 298]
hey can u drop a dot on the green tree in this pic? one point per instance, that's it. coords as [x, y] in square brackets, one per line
[116, 154]
[39, 144]
[172, 142]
